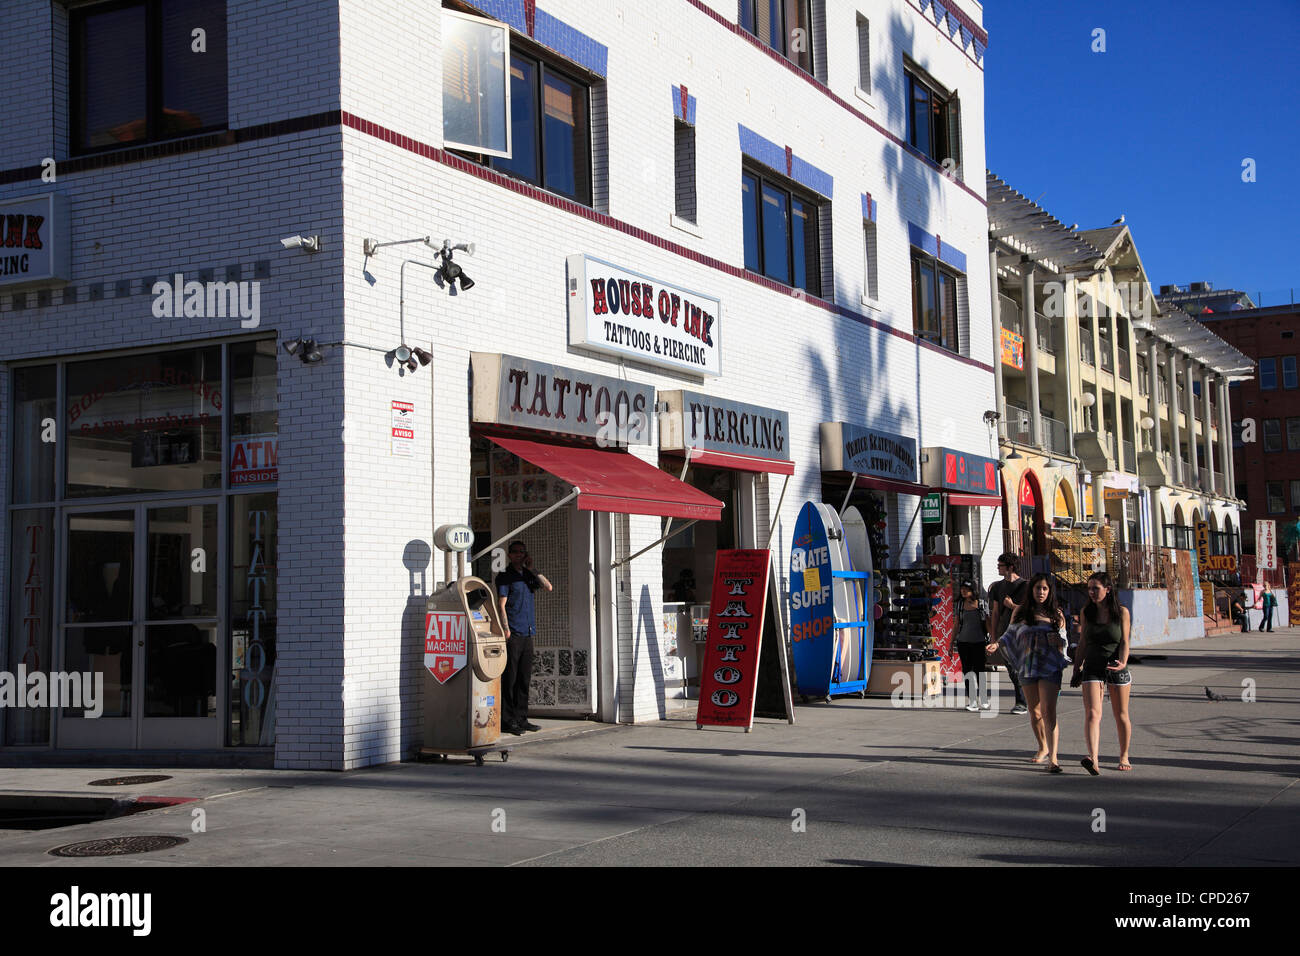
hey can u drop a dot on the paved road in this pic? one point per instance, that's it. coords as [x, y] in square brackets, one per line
[1214, 784]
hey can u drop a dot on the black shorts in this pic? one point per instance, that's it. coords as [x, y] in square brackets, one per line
[1097, 671]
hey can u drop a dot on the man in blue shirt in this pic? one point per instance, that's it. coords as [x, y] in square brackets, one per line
[515, 587]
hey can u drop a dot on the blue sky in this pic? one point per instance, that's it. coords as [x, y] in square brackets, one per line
[1156, 128]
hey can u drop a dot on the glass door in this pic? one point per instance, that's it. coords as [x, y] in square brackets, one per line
[143, 589]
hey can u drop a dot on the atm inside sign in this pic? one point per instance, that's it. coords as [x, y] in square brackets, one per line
[446, 644]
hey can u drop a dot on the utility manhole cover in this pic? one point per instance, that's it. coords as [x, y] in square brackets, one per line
[119, 846]
[129, 781]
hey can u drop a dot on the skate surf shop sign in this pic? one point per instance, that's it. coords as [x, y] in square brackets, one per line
[514, 391]
[34, 241]
[446, 644]
[619, 312]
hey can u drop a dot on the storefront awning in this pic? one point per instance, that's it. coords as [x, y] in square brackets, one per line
[724, 459]
[974, 501]
[888, 484]
[615, 481]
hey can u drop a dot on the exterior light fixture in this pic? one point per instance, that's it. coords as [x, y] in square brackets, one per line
[305, 243]
[305, 349]
[450, 271]
[1014, 456]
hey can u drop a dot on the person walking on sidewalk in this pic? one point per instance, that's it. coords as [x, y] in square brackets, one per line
[1102, 661]
[1240, 614]
[1004, 597]
[972, 635]
[1268, 601]
[1035, 645]
[515, 588]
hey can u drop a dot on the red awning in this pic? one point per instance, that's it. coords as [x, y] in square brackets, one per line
[615, 481]
[975, 501]
[890, 484]
[725, 459]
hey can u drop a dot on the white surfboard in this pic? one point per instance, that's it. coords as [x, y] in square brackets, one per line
[859, 548]
[848, 606]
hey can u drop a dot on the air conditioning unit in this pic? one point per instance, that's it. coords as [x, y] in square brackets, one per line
[1200, 287]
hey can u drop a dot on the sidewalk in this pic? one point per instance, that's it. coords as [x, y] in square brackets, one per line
[1213, 785]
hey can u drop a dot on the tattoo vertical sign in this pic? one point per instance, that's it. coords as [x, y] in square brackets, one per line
[736, 610]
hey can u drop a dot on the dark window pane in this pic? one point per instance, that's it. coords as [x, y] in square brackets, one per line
[564, 134]
[101, 650]
[253, 615]
[1272, 434]
[948, 310]
[193, 83]
[523, 122]
[179, 582]
[768, 28]
[749, 197]
[32, 455]
[804, 239]
[147, 422]
[111, 85]
[1268, 373]
[254, 421]
[776, 234]
[180, 670]
[747, 14]
[919, 118]
[1288, 372]
[798, 34]
[925, 302]
[100, 549]
[31, 614]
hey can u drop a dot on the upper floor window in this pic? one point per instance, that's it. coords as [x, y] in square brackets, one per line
[934, 301]
[782, 232]
[550, 131]
[1267, 373]
[934, 122]
[864, 54]
[145, 71]
[1272, 434]
[784, 25]
[1273, 491]
[1288, 371]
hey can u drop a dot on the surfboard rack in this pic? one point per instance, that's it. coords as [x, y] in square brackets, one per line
[851, 686]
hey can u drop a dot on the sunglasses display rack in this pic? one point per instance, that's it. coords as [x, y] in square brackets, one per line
[903, 631]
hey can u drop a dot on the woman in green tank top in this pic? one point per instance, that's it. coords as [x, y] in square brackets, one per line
[1102, 662]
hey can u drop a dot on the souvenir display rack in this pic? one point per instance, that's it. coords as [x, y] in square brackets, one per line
[903, 631]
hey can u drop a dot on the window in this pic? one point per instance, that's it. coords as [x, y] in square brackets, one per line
[1295, 494]
[864, 54]
[871, 275]
[684, 170]
[782, 232]
[1085, 341]
[1267, 373]
[1272, 434]
[550, 131]
[1293, 434]
[475, 95]
[934, 122]
[1273, 491]
[141, 73]
[934, 301]
[1288, 371]
[784, 25]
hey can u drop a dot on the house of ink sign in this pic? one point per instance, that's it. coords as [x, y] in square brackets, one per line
[624, 313]
[723, 432]
[513, 391]
[867, 451]
[34, 241]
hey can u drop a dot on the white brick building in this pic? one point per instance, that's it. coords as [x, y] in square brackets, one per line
[331, 123]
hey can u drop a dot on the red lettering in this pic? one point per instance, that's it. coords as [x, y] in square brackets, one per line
[520, 378]
[539, 398]
[13, 231]
[33, 240]
[238, 459]
[561, 386]
[583, 389]
[665, 306]
[598, 306]
[624, 296]
[677, 304]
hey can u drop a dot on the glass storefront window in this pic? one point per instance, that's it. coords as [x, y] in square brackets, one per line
[100, 569]
[35, 435]
[254, 417]
[253, 614]
[144, 423]
[31, 614]
[182, 544]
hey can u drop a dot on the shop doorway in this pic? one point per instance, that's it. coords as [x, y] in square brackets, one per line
[141, 598]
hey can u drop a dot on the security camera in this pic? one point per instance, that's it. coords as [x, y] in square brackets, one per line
[305, 243]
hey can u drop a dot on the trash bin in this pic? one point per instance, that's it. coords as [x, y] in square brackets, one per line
[464, 657]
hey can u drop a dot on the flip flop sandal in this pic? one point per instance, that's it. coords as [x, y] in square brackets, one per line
[1055, 768]
[1089, 766]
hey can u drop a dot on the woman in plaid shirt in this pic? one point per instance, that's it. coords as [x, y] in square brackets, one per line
[1035, 644]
